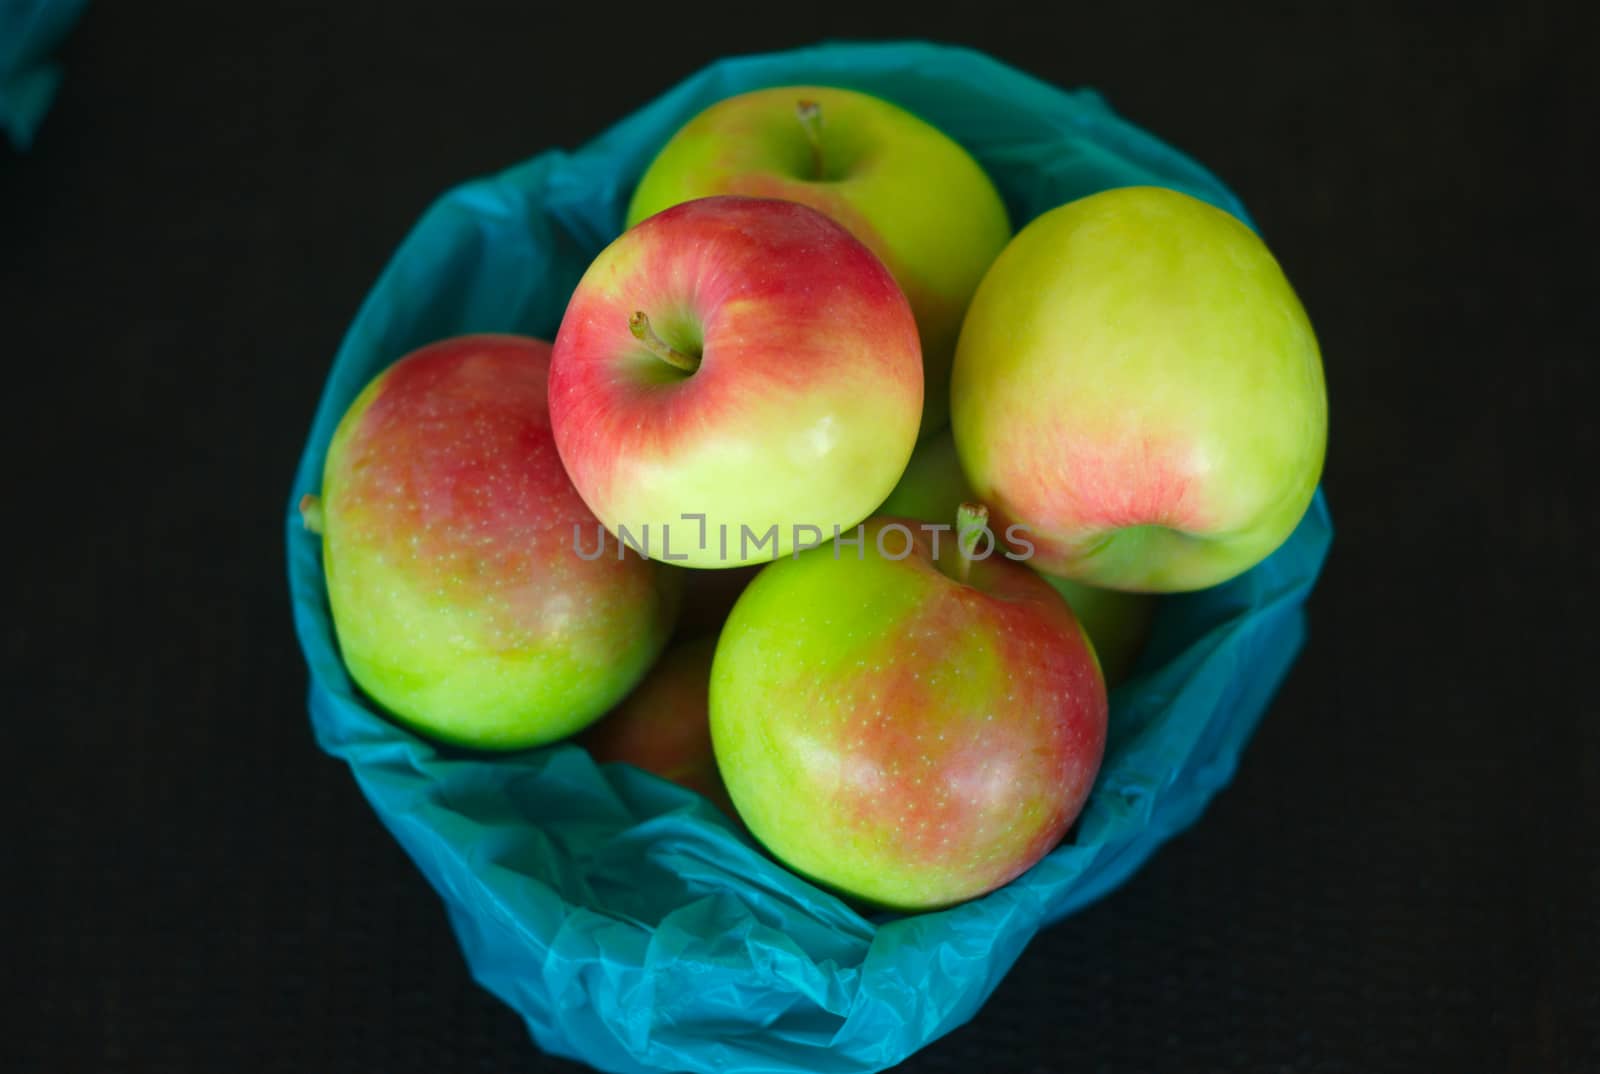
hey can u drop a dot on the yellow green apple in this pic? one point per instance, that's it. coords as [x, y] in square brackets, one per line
[907, 190]
[1137, 383]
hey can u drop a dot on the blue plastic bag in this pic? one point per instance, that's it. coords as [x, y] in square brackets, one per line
[29, 29]
[623, 917]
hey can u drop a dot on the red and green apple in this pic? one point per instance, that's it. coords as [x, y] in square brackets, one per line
[907, 190]
[459, 597]
[734, 377]
[663, 726]
[908, 727]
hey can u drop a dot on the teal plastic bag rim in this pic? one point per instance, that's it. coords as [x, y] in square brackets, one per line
[349, 729]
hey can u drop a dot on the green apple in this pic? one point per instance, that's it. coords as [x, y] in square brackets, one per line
[734, 378]
[912, 194]
[933, 487]
[1137, 383]
[911, 726]
[464, 600]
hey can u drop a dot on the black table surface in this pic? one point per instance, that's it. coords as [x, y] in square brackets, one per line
[1404, 874]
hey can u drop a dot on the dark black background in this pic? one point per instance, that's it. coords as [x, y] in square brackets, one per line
[1405, 873]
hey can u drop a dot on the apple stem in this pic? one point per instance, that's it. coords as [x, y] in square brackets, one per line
[810, 115]
[311, 513]
[639, 325]
[971, 521]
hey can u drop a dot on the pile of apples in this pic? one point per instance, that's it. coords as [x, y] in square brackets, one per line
[831, 499]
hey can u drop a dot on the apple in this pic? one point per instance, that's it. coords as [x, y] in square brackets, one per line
[460, 602]
[1117, 622]
[911, 193]
[908, 727]
[732, 378]
[663, 726]
[1137, 383]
